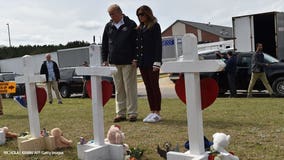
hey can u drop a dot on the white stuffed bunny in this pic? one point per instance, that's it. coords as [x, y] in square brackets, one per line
[220, 142]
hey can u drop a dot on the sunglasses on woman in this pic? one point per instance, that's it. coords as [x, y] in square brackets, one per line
[140, 14]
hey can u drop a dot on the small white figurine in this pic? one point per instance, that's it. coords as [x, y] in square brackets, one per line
[220, 142]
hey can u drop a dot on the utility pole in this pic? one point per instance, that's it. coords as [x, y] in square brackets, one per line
[9, 35]
[94, 39]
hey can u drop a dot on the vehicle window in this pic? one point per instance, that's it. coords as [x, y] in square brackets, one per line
[244, 61]
[75, 73]
[270, 59]
[66, 73]
[207, 56]
[8, 77]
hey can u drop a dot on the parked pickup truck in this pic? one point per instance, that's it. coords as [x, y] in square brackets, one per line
[274, 73]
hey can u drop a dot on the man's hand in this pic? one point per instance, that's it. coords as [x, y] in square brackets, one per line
[155, 69]
[134, 63]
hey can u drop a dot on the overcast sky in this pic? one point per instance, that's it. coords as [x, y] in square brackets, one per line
[61, 21]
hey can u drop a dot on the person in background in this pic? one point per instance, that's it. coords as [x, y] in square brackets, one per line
[85, 79]
[149, 59]
[257, 69]
[51, 71]
[118, 50]
[231, 68]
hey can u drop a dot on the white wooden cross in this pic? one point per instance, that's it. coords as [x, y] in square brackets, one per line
[97, 150]
[191, 66]
[30, 80]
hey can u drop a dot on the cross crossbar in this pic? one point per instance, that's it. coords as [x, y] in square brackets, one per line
[30, 78]
[194, 66]
[96, 70]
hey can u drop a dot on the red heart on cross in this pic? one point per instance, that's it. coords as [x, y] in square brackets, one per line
[208, 87]
[106, 90]
[41, 98]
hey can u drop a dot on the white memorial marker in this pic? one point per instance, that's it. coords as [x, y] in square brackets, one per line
[98, 150]
[30, 80]
[191, 66]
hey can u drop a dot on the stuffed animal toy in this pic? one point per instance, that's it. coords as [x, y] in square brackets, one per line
[220, 142]
[8, 134]
[60, 141]
[167, 146]
[116, 136]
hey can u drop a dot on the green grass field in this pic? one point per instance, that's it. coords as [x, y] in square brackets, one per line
[256, 126]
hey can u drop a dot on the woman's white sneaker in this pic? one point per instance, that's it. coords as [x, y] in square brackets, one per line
[148, 117]
[154, 118]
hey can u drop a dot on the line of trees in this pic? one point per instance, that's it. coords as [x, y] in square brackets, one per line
[12, 52]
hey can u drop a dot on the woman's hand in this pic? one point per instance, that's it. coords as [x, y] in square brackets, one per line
[105, 63]
[134, 63]
[155, 68]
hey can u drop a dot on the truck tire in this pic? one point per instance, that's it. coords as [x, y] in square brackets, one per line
[6, 95]
[221, 93]
[278, 86]
[65, 92]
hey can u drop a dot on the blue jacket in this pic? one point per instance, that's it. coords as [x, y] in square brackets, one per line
[43, 70]
[149, 46]
[257, 62]
[231, 65]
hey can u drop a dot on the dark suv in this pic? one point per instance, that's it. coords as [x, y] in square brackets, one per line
[69, 82]
[274, 73]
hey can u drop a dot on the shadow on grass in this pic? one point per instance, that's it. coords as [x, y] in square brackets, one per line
[9, 116]
[173, 122]
[244, 95]
[218, 124]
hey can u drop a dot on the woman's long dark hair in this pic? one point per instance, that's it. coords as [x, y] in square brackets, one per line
[151, 19]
